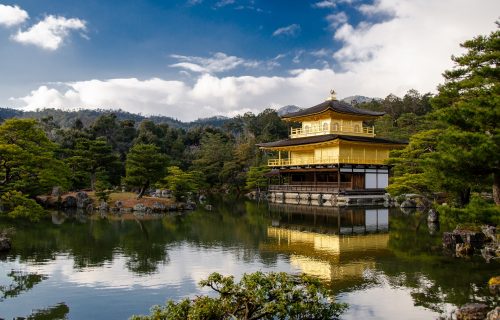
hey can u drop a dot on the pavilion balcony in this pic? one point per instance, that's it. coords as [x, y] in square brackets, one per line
[312, 161]
[332, 129]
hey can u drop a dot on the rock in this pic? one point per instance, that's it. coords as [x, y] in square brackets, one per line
[450, 240]
[494, 285]
[140, 207]
[493, 314]
[119, 204]
[158, 207]
[173, 207]
[208, 207]
[69, 202]
[432, 216]
[491, 251]
[463, 249]
[158, 193]
[408, 204]
[489, 232]
[475, 239]
[202, 198]
[433, 227]
[165, 193]
[5, 243]
[56, 192]
[103, 206]
[472, 311]
[82, 200]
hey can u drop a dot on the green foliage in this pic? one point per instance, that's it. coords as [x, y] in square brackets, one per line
[27, 159]
[256, 179]
[478, 211]
[102, 190]
[16, 205]
[181, 183]
[463, 154]
[469, 104]
[145, 165]
[256, 296]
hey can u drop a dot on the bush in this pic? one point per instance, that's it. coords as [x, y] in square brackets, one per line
[256, 296]
[478, 211]
[17, 205]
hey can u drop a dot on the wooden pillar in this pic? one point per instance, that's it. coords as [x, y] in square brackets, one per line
[338, 177]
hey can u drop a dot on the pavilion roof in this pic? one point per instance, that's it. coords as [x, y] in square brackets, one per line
[326, 138]
[335, 106]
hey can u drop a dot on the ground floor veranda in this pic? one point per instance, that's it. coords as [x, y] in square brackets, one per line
[329, 179]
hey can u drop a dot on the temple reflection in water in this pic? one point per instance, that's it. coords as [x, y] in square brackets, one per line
[332, 243]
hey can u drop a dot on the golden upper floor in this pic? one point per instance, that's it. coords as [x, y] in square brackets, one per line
[332, 117]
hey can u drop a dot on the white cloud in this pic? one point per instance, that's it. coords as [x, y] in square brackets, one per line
[413, 47]
[12, 15]
[219, 62]
[325, 4]
[336, 19]
[209, 95]
[290, 30]
[50, 33]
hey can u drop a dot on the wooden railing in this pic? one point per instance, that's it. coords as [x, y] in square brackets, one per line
[307, 161]
[319, 187]
[328, 129]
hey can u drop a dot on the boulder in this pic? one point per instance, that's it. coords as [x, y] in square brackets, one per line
[208, 207]
[490, 232]
[463, 249]
[158, 207]
[432, 216]
[491, 251]
[493, 314]
[450, 240]
[103, 206]
[69, 202]
[472, 311]
[119, 204]
[474, 238]
[408, 204]
[82, 200]
[5, 243]
[140, 207]
[56, 192]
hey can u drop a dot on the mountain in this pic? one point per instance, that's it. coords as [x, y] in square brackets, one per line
[359, 99]
[287, 109]
[66, 118]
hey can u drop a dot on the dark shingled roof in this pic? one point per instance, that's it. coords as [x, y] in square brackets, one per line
[334, 105]
[325, 138]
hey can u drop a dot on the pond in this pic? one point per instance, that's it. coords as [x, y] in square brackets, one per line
[386, 264]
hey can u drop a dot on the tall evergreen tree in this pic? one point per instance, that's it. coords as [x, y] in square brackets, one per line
[469, 104]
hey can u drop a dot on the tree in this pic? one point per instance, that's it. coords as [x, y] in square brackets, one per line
[256, 178]
[469, 104]
[256, 296]
[214, 150]
[27, 159]
[144, 166]
[181, 183]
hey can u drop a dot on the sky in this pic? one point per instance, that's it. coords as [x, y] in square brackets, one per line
[191, 59]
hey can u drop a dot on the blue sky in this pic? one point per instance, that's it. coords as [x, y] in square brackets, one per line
[199, 58]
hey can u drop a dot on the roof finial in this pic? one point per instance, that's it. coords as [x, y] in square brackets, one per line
[333, 95]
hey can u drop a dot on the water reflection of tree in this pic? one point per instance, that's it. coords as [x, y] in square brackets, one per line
[144, 243]
[59, 311]
[21, 281]
[433, 277]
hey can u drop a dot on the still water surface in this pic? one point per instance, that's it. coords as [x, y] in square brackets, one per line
[384, 263]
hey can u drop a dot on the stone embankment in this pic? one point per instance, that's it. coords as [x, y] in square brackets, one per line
[464, 242]
[117, 203]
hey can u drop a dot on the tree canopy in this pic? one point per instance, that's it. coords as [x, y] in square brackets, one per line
[257, 296]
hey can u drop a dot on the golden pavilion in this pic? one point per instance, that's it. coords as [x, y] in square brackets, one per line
[332, 152]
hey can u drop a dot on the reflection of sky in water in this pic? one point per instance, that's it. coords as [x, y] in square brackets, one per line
[385, 301]
[111, 289]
